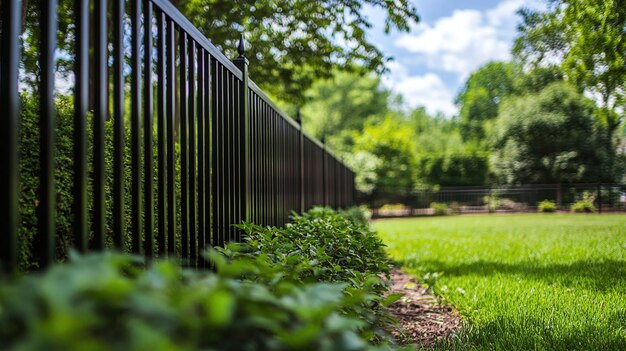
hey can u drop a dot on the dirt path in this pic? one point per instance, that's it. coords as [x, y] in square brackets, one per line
[423, 320]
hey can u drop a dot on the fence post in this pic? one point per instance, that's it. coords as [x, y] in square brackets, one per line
[244, 118]
[300, 159]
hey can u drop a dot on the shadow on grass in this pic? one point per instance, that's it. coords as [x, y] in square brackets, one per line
[601, 275]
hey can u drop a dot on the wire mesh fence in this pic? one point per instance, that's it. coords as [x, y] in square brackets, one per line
[509, 199]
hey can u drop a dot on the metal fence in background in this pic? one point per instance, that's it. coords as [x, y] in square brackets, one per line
[240, 157]
[511, 199]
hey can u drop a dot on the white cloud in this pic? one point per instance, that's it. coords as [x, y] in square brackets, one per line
[466, 39]
[426, 90]
[457, 44]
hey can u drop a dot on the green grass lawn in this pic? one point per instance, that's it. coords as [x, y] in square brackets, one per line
[522, 282]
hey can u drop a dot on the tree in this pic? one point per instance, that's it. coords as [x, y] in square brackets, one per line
[338, 107]
[536, 79]
[393, 163]
[481, 96]
[588, 39]
[454, 169]
[295, 42]
[547, 137]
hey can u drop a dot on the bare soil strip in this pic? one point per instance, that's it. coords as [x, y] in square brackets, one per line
[423, 320]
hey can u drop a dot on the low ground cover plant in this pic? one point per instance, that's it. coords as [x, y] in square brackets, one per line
[325, 246]
[546, 206]
[440, 209]
[282, 290]
[585, 204]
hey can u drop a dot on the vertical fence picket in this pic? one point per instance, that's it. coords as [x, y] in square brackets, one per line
[191, 147]
[171, 134]
[45, 237]
[148, 124]
[118, 118]
[81, 96]
[227, 152]
[100, 115]
[135, 127]
[201, 142]
[215, 199]
[9, 117]
[208, 189]
[184, 144]
[161, 135]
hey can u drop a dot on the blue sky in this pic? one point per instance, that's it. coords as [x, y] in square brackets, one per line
[453, 38]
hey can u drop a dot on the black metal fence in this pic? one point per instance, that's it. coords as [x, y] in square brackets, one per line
[238, 157]
[512, 198]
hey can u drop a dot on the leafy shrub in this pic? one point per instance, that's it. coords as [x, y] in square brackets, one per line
[319, 245]
[492, 202]
[546, 206]
[357, 214]
[455, 208]
[313, 285]
[323, 246]
[585, 204]
[441, 209]
[110, 302]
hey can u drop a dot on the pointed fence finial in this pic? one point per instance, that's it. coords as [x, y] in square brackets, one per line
[241, 48]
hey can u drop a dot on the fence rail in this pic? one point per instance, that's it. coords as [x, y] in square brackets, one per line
[232, 152]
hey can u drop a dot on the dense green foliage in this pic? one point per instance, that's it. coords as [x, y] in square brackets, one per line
[440, 209]
[391, 147]
[546, 138]
[294, 43]
[522, 282]
[588, 38]
[341, 105]
[64, 176]
[394, 152]
[312, 285]
[585, 204]
[323, 246]
[454, 169]
[546, 206]
[320, 245]
[480, 98]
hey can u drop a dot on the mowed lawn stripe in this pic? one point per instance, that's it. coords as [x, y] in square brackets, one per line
[526, 281]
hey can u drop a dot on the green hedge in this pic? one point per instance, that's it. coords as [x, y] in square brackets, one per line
[313, 285]
[64, 175]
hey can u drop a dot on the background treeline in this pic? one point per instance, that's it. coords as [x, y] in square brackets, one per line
[514, 126]
[552, 114]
